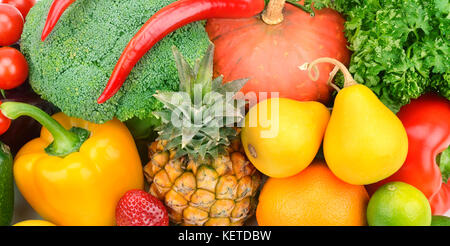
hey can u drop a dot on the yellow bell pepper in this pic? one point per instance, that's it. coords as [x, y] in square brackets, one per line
[76, 177]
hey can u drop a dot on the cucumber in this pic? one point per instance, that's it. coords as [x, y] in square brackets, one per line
[6, 185]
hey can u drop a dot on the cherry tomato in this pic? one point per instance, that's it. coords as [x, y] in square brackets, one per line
[22, 5]
[11, 24]
[5, 122]
[13, 68]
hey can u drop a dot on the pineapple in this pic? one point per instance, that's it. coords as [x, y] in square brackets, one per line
[199, 168]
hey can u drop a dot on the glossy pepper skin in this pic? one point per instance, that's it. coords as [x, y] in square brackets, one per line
[82, 188]
[56, 10]
[167, 20]
[427, 123]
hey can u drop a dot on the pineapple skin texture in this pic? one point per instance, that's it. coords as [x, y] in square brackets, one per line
[221, 192]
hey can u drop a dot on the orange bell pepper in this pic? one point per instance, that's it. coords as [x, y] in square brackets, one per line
[76, 177]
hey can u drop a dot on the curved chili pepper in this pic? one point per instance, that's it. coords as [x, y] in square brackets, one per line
[167, 20]
[427, 123]
[56, 10]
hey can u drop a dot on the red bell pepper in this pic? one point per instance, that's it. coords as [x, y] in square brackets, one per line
[427, 123]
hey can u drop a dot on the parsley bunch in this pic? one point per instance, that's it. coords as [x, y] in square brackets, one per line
[400, 47]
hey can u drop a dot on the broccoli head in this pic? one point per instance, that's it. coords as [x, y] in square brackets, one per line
[71, 68]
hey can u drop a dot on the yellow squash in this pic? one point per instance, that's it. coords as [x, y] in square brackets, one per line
[281, 136]
[76, 177]
[364, 142]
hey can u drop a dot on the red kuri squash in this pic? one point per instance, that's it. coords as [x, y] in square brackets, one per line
[270, 54]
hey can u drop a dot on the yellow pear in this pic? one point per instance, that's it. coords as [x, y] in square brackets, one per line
[281, 136]
[364, 141]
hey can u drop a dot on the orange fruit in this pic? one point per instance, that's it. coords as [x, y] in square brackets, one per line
[314, 197]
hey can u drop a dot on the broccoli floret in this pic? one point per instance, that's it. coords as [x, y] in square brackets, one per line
[71, 68]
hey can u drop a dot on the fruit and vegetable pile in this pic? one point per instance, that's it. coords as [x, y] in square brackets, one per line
[208, 112]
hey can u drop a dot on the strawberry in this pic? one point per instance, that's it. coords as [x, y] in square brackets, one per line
[138, 208]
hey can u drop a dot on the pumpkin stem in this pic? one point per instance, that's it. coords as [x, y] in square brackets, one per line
[274, 12]
[348, 78]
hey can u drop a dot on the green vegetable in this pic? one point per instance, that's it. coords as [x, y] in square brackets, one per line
[440, 221]
[6, 185]
[443, 160]
[71, 68]
[400, 48]
[338, 5]
[143, 131]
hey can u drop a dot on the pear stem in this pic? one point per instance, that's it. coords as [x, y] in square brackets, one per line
[273, 15]
[348, 78]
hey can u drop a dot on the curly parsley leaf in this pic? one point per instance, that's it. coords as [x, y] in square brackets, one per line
[400, 48]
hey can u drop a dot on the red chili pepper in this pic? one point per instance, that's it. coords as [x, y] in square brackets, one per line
[5, 122]
[427, 123]
[56, 10]
[169, 19]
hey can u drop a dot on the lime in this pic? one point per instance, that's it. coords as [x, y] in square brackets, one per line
[440, 221]
[398, 204]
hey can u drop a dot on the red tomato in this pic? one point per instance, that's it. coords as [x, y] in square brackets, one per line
[22, 5]
[11, 24]
[13, 68]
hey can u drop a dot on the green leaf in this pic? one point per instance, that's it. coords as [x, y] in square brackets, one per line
[217, 83]
[198, 121]
[234, 86]
[164, 116]
[205, 70]
[212, 132]
[188, 134]
[185, 72]
[172, 100]
[443, 161]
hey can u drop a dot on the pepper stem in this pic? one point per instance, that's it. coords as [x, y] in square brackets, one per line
[65, 141]
[274, 12]
[348, 78]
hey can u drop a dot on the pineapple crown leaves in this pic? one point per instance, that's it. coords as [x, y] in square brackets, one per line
[198, 120]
